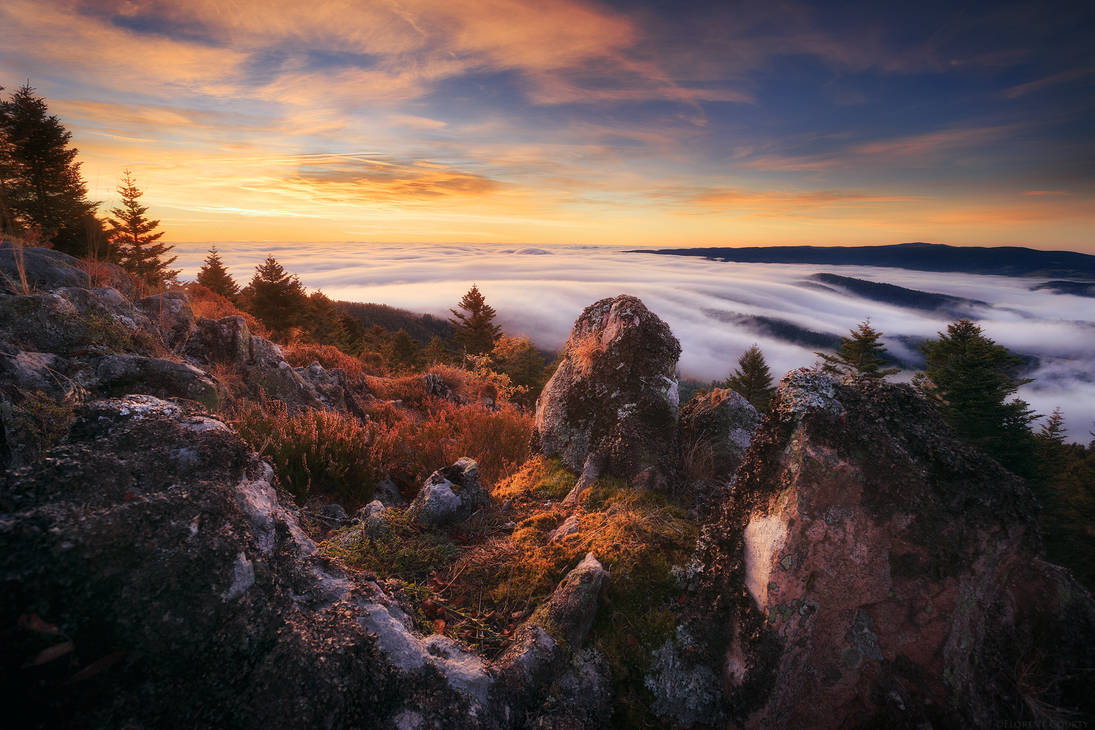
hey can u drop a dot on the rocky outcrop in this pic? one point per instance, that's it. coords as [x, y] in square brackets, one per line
[612, 403]
[150, 576]
[449, 495]
[47, 269]
[872, 570]
[171, 314]
[715, 432]
[125, 374]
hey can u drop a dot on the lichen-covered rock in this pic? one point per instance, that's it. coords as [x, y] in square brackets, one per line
[171, 314]
[224, 340]
[123, 374]
[717, 428]
[49, 269]
[613, 400]
[870, 569]
[449, 495]
[150, 577]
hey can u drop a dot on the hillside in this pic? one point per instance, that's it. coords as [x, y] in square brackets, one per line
[205, 528]
[996, 260]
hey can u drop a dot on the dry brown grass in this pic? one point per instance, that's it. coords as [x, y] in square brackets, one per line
[207, 303]
[303, 354]
[584, 351]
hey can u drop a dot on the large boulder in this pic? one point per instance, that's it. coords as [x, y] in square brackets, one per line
[124, 374]
[171, 314]
[715, 432]
[612, 403]
[43, 268]
[870, 569]
[449, 495]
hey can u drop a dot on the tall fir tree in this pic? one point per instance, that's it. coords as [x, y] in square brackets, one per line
[970, 378]
[42, 190]
[276, 297]
[137, 239]
[214, 276]
[752, 379]
[861, 355]
[474, 328]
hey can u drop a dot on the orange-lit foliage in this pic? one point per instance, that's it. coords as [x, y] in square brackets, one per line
[318, 452]
[207, 303]
[303, 354]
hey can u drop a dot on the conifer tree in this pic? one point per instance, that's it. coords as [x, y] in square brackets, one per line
[518, 358]
[474, 327]
[860, 355]
[137, 239]
[215, 277]
[276, 297]
[41, 187]
[970, 378]
[436, 352]
[752, 379]
[403, 351]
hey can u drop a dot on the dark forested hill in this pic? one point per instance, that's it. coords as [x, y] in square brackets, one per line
[421, 327]
[999, 260]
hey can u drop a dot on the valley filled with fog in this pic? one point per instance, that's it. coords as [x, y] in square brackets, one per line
[716, 309]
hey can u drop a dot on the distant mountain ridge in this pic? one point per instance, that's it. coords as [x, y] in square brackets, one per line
[919, 256]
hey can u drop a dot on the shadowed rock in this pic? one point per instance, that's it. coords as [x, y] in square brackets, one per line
[871, 569]
[613, 402]
[716, 429]
[449, 495]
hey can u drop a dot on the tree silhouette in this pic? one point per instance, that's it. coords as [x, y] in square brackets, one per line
[41, 188]
[214, 276]
[136, 239]
[276, 297]
[752, 379]
[860, 355]
[474, 327]
[970, 378]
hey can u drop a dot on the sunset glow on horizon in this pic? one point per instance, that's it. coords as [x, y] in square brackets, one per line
[567, 121]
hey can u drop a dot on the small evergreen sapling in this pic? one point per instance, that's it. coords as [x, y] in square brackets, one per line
[861, 355]
[475, 331]
[753, 379]
[215, 277]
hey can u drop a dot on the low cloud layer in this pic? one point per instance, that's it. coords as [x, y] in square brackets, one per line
[540, 291]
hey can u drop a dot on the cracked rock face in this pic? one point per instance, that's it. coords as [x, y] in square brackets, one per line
[871, 569]
[613, 399]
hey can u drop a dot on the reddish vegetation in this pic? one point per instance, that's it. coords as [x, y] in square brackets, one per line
[206, 303]
[303, 354]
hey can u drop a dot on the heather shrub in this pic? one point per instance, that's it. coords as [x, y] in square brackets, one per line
[318, 452]
[206, 303]
[303, 354]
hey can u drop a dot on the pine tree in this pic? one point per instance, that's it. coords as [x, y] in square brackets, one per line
[403, 351]
[860, 355]
[970, 378]
[276, 297]
[436, 351]
[752, 379]
[135, 236]
[215, 277]
[41, 186]
[475, 330]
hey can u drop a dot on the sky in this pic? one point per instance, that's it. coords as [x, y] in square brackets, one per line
[539, 291]
[571, 121]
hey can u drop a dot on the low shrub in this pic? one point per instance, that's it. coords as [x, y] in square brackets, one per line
[318, 452]
[204, 302]
[303, 354]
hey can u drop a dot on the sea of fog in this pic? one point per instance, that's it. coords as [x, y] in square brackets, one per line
[539, 291]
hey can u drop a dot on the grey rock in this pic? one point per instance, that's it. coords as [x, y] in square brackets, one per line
[718, 427]
[120, 374]
[614, 395]
[170, 313]
[449, 495]
[49, 269]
